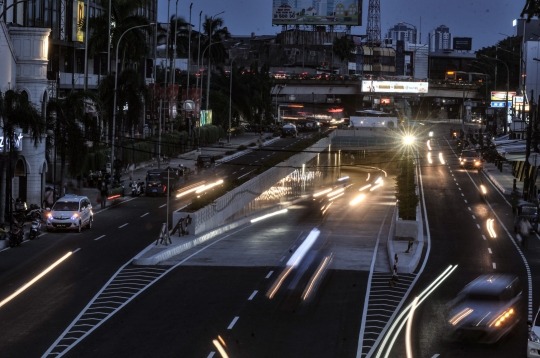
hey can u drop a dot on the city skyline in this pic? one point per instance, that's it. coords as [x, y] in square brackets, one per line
[464, 19]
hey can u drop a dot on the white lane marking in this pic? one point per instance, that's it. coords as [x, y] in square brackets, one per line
[457, 183]
[458, 188]
[143, 215]
[233, 322]
[162, 206]
[102, 236]
[123, 225]
[468, 206]
[455, 180]
[252, 295]
[45, 233]
[234, 172]
[489, 250]
[112, 206]
[282, 258]
[242, 168]
[211, 354]
[483, 237]
[478, 226]
[436, 355]
[269, 274]
[76, 250]
[462, 194]
[474, 217]
[494, 265]
[7, 248]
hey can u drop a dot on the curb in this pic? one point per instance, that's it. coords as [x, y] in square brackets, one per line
[173, 251]
[495, 182]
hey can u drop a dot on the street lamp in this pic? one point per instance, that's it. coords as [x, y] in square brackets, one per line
[116, 89]
[507, 88]
[210, 43]
[230, 96]
[415, 31]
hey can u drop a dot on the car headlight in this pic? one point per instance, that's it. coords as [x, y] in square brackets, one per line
[533, 337]
[75, 216]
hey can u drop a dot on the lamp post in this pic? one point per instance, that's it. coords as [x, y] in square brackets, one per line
[210, 44]
[116, 89]
[189, 52]
[507, 89]
[230, 96]
[415, 31]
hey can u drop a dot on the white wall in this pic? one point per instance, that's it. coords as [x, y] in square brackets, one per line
[7, 59]
[532, 82]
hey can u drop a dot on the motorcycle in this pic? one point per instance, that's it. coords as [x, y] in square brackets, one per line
[34, 229]
[137, 188]
[15, 234]
[23, 214]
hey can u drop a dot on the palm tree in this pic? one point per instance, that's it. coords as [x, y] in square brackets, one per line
[343, 48]
[72, 126]
[134, 44]
[213, 27]
[16, 111]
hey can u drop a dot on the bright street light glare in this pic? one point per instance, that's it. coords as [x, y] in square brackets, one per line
[408, 140]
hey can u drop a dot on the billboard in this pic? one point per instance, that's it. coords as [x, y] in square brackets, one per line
[206, 117]
[462, 43]
[79, 19]
[317, 12]
[501, 96]
[394, 87]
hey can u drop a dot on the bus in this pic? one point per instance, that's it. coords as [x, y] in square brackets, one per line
[456, 76]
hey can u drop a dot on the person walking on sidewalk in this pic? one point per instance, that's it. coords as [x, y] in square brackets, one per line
[524, 230]
[103, 193]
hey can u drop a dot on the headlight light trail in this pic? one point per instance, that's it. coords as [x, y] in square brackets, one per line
[211, 185]
[408, 347]
[196, 187]
[35, 279]
[441, 159]
[491, 231]
[358, 199]
[398, 323]
[364, 187]
[268, 215]
[428, 144]
[430, 161]
[325, 191]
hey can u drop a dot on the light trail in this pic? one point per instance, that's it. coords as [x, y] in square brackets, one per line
[268, 215]
[408, 347]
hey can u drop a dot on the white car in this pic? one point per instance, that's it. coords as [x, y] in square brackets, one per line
[71, 212]
[533, 343]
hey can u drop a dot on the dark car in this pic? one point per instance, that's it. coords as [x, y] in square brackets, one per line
[161, 182]
[205, 161]
[470, 159]
[289, 130]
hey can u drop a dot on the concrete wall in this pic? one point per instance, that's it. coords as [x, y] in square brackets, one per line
[7, 59]
[212, 216]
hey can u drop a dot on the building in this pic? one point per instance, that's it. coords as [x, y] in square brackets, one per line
[402, 32]
[440, 39]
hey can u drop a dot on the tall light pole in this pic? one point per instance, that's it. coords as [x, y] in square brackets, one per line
[230, 97]
[116, 90]
[210, 28]
[507, 89]
[415, 31]
[189, 52]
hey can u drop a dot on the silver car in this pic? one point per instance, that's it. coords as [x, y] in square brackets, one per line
[487, 309]
[71, 212]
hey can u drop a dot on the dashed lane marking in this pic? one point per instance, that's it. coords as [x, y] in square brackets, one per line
[101, 237]
[233, 322]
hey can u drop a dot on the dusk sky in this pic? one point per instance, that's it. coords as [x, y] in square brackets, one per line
[483, 20]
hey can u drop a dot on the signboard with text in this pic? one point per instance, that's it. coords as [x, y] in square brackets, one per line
[501, 96]
[394, 87]
[206, 117]
[79, 19]
[309, 12]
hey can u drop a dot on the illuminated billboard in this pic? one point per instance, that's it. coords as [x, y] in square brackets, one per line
[501, 96]
[79, 20]
[317, 12]
[394, 87]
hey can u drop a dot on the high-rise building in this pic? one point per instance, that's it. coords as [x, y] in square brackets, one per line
[402, 32]
[441, 38]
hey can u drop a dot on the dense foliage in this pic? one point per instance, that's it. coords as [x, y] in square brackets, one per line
[406, 190]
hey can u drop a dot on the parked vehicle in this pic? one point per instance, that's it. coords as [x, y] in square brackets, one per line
[15, 233]
[528, 211]
[137, 187]
[22, 214]
[34, 229]
[71, 212]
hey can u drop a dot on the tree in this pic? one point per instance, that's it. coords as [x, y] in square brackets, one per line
[531, 9]
[213, 27]
[134, 45]
[16, 111]
[508, 51]
[343, 48]
[72, 126]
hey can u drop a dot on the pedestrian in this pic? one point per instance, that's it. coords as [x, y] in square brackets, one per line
[524, 229]
[131, 168]
[103, 193]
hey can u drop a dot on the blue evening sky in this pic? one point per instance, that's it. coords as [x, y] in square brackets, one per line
[483, 20]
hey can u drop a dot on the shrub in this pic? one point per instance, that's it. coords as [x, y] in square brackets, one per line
[405, 190]
[251, 144]
[242, 147]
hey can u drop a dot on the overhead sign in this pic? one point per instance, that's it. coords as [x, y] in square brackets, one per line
[309, 12]
[501, 96]
[394, 87]
[462, 43]
[501, 104]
